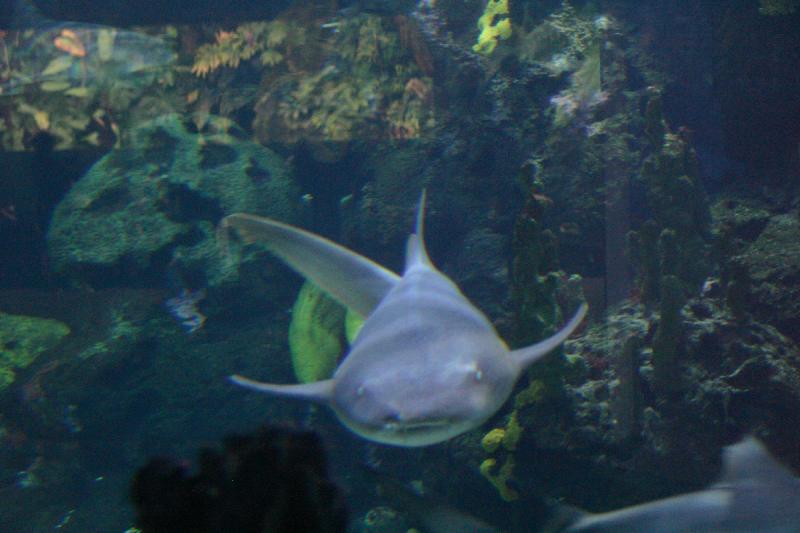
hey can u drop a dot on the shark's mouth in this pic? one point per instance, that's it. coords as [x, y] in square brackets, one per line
[417, 426]
[409, 432]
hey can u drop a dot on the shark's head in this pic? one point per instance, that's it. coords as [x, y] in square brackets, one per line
[406, 407]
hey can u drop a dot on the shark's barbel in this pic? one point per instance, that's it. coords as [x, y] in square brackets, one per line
[426, 366]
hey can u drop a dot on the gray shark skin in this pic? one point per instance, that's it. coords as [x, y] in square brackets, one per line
[426, 366]
[755, 494]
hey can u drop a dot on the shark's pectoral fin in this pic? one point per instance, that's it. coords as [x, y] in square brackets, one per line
[524, 357]
[319, 391]
[352, 279]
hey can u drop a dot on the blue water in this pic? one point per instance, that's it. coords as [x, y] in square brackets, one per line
[639, 156]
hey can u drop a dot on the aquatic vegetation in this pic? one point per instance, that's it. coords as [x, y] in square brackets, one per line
[79, 59]
[23, 339]
[271, 41]
[363, 79]
[494, 25]
[78, 83]
[369, 86]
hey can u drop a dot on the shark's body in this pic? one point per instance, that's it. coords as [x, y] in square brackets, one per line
[426, 366]
[754, 495]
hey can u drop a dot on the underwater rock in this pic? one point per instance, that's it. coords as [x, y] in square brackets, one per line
[760, 261]
[772, 264]
[152, 208]
[23, 339]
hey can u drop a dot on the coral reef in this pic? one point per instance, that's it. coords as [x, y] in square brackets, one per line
[743, 377]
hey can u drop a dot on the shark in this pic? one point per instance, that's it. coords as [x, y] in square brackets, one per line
[426, 366]
[755, 494]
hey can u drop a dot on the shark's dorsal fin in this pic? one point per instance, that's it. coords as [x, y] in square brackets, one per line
[524, 357]
[318, 391]
[749, 462]
[352, 279]
[415, 246]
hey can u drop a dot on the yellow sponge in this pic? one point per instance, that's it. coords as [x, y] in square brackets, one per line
[494, 25]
